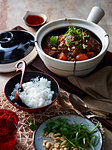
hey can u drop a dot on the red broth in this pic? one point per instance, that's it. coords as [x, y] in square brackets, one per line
[78, 48]
[34, 20]
[8, 131]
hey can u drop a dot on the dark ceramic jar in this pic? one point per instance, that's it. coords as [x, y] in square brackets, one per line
[14, 46]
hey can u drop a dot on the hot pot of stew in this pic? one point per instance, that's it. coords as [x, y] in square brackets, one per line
[73, 46]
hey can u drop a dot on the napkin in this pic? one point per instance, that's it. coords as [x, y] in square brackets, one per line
[97, 86]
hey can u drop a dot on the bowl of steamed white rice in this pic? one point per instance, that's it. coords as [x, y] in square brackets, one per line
[39, 91]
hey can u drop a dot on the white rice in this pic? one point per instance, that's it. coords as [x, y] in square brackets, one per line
[36, 93]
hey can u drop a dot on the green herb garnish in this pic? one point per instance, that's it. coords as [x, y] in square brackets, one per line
[85, 36]
[74, 31]
[77, 135]
[33, 126]
[53, 40]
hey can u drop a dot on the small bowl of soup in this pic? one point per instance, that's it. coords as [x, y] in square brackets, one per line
[34, 19]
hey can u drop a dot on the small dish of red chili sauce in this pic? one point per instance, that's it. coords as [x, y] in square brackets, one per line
[34, 19]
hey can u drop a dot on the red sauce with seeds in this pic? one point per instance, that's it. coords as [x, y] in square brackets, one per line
[34, 20]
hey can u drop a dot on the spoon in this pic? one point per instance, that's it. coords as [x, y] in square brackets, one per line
[20, 66]
[79, 104]
[64, 101]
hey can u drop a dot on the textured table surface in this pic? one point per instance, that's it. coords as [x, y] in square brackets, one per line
[12, 12]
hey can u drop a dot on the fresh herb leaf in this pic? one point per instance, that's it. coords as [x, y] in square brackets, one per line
[53, 40]
[33, 126]
[93, 130]
[85, 36]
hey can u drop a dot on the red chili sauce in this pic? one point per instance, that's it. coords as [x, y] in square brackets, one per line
[34, 20]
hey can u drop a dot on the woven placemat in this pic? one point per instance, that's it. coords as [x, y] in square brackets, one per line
[24, 134]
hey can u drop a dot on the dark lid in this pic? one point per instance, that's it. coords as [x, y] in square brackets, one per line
[15, 45]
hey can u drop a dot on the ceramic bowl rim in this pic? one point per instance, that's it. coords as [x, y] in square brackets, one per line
[37, 14]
